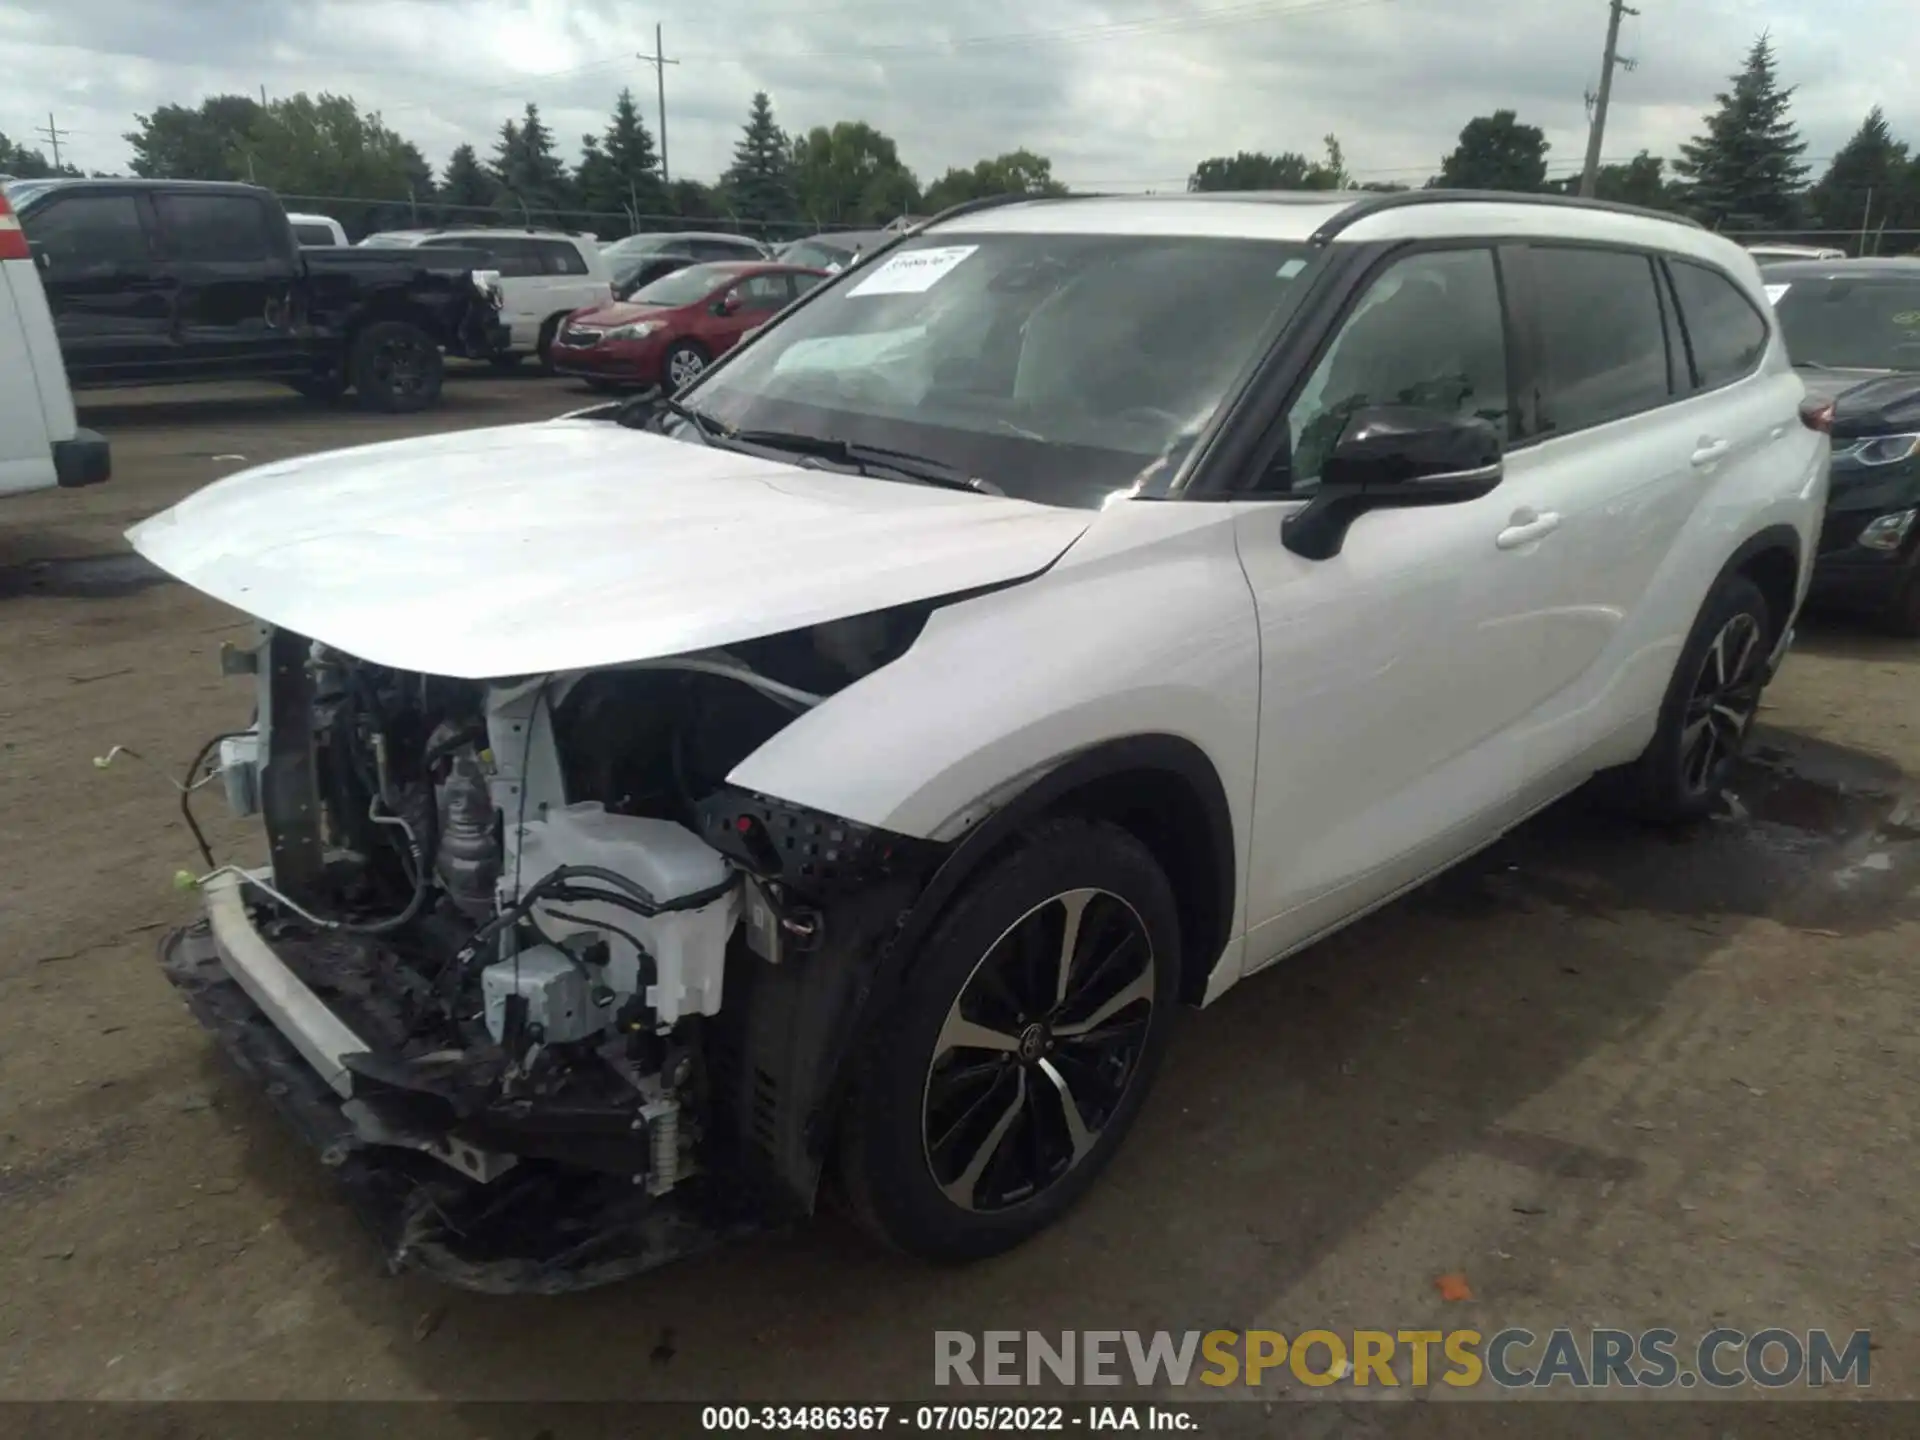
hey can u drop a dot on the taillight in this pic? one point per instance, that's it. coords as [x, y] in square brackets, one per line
[13, 240]
[1817, 415]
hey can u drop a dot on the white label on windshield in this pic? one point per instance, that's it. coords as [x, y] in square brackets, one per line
[912, 271]
[1774, 292]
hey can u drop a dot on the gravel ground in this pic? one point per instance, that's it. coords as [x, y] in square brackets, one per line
[1607, 1077]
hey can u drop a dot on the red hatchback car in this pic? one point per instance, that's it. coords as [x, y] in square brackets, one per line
[671, 330]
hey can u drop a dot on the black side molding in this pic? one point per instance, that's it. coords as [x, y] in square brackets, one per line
[86, 459]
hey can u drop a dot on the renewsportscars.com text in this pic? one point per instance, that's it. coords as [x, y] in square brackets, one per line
[1719, 1359]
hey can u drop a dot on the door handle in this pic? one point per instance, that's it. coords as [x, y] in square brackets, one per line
[1514, 536]
[1711, 450]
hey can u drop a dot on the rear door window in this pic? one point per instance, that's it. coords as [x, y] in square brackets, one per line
[513, 257]
[1725, 335]
[82, 233]
[1603, 337]
[216, 229]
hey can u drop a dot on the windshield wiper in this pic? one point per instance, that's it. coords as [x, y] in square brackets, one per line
[868, 459]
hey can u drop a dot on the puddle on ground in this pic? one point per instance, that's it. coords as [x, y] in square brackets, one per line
[89, 577]
[1810, 834]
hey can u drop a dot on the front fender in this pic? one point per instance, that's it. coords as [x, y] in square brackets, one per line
[1146, 627]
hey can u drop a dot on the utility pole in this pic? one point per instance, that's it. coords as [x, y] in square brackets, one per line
[1590, 176]
[659, 61]
[51, 133]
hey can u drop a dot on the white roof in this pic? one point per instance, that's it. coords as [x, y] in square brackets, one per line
[1298, 215]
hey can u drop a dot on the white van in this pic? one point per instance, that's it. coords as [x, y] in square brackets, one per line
[41, 442]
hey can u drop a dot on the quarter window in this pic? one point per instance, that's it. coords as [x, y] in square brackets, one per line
[1602, 336]
[1429, 333]
[1724, 331]
[560, 258]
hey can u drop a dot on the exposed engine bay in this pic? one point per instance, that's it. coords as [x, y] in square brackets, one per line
[599, 995]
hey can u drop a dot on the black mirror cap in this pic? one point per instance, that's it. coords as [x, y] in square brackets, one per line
[1401, 454]
[1391, 456]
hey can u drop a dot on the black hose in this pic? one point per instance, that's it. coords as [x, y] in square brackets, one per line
[186, 791]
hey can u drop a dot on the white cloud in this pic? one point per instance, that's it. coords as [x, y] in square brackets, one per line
[1117, 92]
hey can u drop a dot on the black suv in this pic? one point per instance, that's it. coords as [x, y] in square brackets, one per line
[164, 281]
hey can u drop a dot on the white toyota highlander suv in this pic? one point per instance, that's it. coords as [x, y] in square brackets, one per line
[838, 777]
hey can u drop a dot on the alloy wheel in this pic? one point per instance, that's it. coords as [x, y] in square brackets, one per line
[1726, 694]
[1038, 1050]
[683, 368]
[401, 366]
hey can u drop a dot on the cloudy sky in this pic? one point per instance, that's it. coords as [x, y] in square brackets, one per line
[1120, 93]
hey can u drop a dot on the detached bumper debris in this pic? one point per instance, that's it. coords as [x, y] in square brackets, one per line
[535, 1229]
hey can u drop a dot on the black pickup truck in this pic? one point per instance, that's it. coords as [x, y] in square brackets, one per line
[165, 281]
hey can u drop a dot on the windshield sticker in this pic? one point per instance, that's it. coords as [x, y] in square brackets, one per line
[1774, 292]
[1908, 319]
[1292, 268]
[913, 271]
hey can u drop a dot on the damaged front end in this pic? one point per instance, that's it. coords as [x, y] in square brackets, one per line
[556, 1002]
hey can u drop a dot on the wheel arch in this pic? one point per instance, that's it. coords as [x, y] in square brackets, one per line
[1771, 559]
[1162, 789]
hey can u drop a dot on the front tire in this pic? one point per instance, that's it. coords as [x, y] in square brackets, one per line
[1020, 1049]
[396, 367]
[1708, 710]
[684, 364]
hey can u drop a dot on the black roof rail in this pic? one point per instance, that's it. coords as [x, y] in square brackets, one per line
[1373, 204]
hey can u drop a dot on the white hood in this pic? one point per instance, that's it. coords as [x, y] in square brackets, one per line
[576, 544]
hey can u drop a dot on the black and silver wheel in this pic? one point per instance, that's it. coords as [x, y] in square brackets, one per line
[396, 367]
[1709, 707]
[1021, 1049]
[685, 363]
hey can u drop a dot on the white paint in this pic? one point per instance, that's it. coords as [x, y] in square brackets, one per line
[36, 407]
[573, 544]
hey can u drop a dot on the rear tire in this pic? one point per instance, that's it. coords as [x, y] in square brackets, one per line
[396, 367]
[1708, 710]
[967, 1134]
[543, 348]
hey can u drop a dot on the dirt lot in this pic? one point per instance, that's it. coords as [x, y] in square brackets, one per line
[1612, 1079]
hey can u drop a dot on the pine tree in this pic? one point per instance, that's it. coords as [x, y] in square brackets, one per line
[1746, 170]
[621, 174]
[1867, 185]
[529, 176]
[465, 186]
[759, 183]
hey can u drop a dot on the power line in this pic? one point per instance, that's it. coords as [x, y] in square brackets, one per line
[53, 134]
[659, 61]
[1611, 61]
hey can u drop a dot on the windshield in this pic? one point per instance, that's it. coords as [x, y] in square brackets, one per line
[635, 246]
[815, 254]
[1848, 323]
[1058, 367]
[684, 287]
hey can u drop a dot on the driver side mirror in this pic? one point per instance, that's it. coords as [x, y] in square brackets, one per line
[1389, 457]
[728, 304]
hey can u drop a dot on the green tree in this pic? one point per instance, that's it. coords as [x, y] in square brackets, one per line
[1746, 169]
[179, 142]
[690, 200]
[619, 173]
[323, 146]
[21, 163]
[1018, 172]
[1640, 181]
[1257, 170]
[1497, 152]
[758, 185]
[529, 178]
[1870, 183]
[851, 175]
[465, 186]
